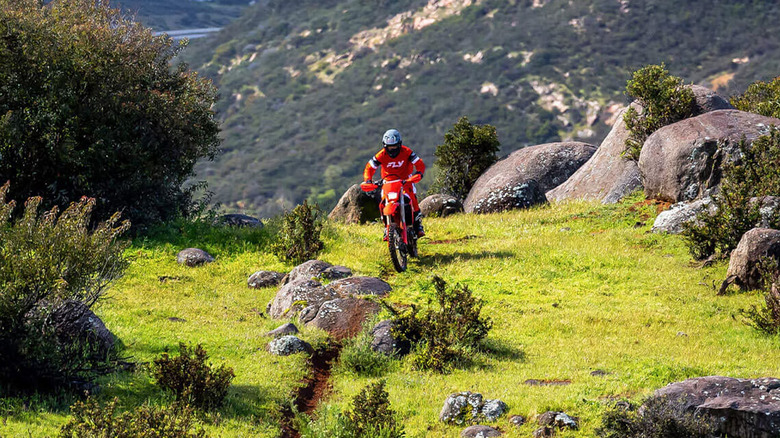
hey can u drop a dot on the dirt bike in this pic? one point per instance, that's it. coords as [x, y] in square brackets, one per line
[396, 209]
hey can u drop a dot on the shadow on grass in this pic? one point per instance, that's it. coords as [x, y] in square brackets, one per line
[441, 259]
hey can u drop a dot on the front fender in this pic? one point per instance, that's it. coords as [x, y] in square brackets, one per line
[390, 208]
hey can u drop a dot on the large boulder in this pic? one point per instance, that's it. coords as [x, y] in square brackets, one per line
[193, 257]
[356, 206]
[745, 263]
[439, 205]
[520, 180]
[682, 161]
[74, 321]
[361, 286]
[297, 295]
[343, 317]
[744, 408]
[607, 176]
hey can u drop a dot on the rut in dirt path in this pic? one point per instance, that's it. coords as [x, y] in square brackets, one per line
[316, 385]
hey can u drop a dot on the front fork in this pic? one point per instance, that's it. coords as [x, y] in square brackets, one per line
[402, 216]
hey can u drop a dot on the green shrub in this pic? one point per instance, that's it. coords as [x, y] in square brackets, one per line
[760, 98]
[766, 318]
[298, 239]
[48, 261]
[90, 420]
[467, 152]
[664, 100]
[442, 335]
[370, 417]
[358, 357]
[104, 114]
[659, 418]
[192, 379]
[755, 174]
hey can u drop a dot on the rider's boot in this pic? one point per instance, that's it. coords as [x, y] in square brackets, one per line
[418, 226]
[385, 236]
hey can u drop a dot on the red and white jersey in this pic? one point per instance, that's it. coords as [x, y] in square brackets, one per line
[400, 167]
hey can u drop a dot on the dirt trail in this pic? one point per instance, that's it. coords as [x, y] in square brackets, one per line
[315, 387]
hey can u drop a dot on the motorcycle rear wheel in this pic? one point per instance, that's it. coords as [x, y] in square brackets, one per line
[395, 243]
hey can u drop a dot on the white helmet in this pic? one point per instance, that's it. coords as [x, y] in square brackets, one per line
[392, 142]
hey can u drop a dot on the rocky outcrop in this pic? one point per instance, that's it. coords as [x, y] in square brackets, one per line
[744, 408]
[520, 180]
[356, 206]
[361, 286]
[193, 257]
[469, 407]
[318, 270]
[343, 317]
[261, 279]
[682, 161]
[672, 220]
[607, 176]
[439, 205]
[297, 295]
[745, 263]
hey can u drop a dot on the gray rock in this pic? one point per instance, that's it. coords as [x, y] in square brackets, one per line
[384, 341]
[193, 257]
[439, 205]
[335, 273]
[557, 420]
[671, 221]
[295, 296]
[683, 161]
[361, 286]
[746, 408]
[343, 317]
[356, 206]
[283, 330]
[239, 220]
[521, 179]
[479, 431]
[287, 345]
[707, 100]
[74, 323]
[469, 407]
[517, 420]
[769, 209]
[261, 279]
[607, 176]
[754, 246]
[318, 270]
[544, 432]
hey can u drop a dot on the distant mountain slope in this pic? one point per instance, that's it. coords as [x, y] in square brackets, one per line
[182, 14]
[307, 87]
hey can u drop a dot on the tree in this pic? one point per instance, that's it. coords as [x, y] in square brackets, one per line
[468, 150]
[90, 106]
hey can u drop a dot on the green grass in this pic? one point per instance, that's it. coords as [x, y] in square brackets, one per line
[571, 288]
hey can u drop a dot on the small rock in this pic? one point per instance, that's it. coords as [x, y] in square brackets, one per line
[544, 432]
[517, 420]
[439, 205]
[469, 407]
[479, 431]
[283, 330]
[384, 341]
[239, 220]
[598, 373]
[492, 409]
[287, 345]
[193, 257]
[261, 279]
[558, 420]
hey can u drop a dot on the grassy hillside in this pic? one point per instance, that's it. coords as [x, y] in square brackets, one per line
[308, 87]
[571, 288]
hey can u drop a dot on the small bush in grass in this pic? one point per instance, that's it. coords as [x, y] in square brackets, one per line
[467, 152]
[760, 98]
[369, 417]
[756, 173]
[442, 334]
[298, 239]
[90, 420]
[192, 379]
[766, 318]
[659, 418]
[358, 357]
[664, 100]
[48, 262]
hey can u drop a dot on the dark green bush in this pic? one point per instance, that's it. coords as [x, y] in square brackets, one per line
[443, 334]
[90, 420]
[659, 418]
[467, 152]
[766, 318]
[760, 98]
[756, 173]
[192, 379]
[664, 100]
[48, 261]
[298, 239]
[89, 105]
[358, 357]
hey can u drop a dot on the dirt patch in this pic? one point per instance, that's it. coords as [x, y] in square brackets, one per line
[546, 382]
[659, 205]
[315, 386]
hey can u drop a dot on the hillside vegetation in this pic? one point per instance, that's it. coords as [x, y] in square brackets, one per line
[182, 14]
[571, 289]
[308, 87]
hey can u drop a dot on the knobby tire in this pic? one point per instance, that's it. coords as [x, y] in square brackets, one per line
[395, 243]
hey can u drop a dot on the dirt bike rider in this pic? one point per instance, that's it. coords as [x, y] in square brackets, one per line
[398, 162]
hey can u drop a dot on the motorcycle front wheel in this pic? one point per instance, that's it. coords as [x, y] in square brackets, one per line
[395, 243]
